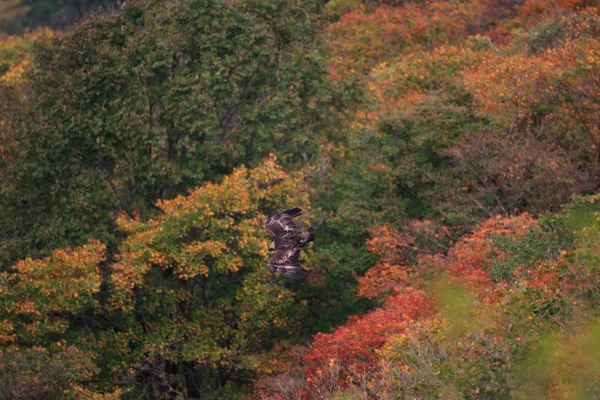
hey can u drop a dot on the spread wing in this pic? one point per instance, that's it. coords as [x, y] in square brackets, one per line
[285, 257]
[286, 263]
[282, 223]
[291, 271]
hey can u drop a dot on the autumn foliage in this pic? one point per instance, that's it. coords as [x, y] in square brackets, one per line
[190, 288]
[196, 282]
[15, 54]
[41, 299]
[447, 154]
[467, 331]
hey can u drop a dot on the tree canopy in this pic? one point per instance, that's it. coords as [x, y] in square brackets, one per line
[142, 103]
[445, 152]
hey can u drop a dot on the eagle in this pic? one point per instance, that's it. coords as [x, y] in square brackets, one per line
[287, 243]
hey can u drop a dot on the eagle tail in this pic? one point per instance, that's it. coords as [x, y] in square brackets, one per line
[307, 236]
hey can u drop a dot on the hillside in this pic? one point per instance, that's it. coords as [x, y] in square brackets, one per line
[17, 16]
[447, 153]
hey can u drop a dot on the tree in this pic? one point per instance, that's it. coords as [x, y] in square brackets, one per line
[188, 308]
[147, 101]
[40, 304]
[194, 289]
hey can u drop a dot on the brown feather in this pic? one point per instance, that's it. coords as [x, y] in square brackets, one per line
[287, 243]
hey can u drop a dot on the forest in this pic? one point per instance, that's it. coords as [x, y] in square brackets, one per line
[447, 153]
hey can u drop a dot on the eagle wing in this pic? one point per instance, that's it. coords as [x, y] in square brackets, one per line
[288, 240]
[292, 271]
[285, 257]
[282, 224]
[286, 263]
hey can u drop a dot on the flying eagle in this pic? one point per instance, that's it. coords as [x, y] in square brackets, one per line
[287, 243]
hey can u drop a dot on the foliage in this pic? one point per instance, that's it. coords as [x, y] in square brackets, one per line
[527, 336]
[399, 250]
[41, 302]
[449, 149]
[187, 307]
[15, 54]
[147, 101]
[473, 127]
[39, 372]
[38, 295]
[362, 40]
[192, 284]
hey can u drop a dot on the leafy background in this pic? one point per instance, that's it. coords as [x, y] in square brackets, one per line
[446, 152]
